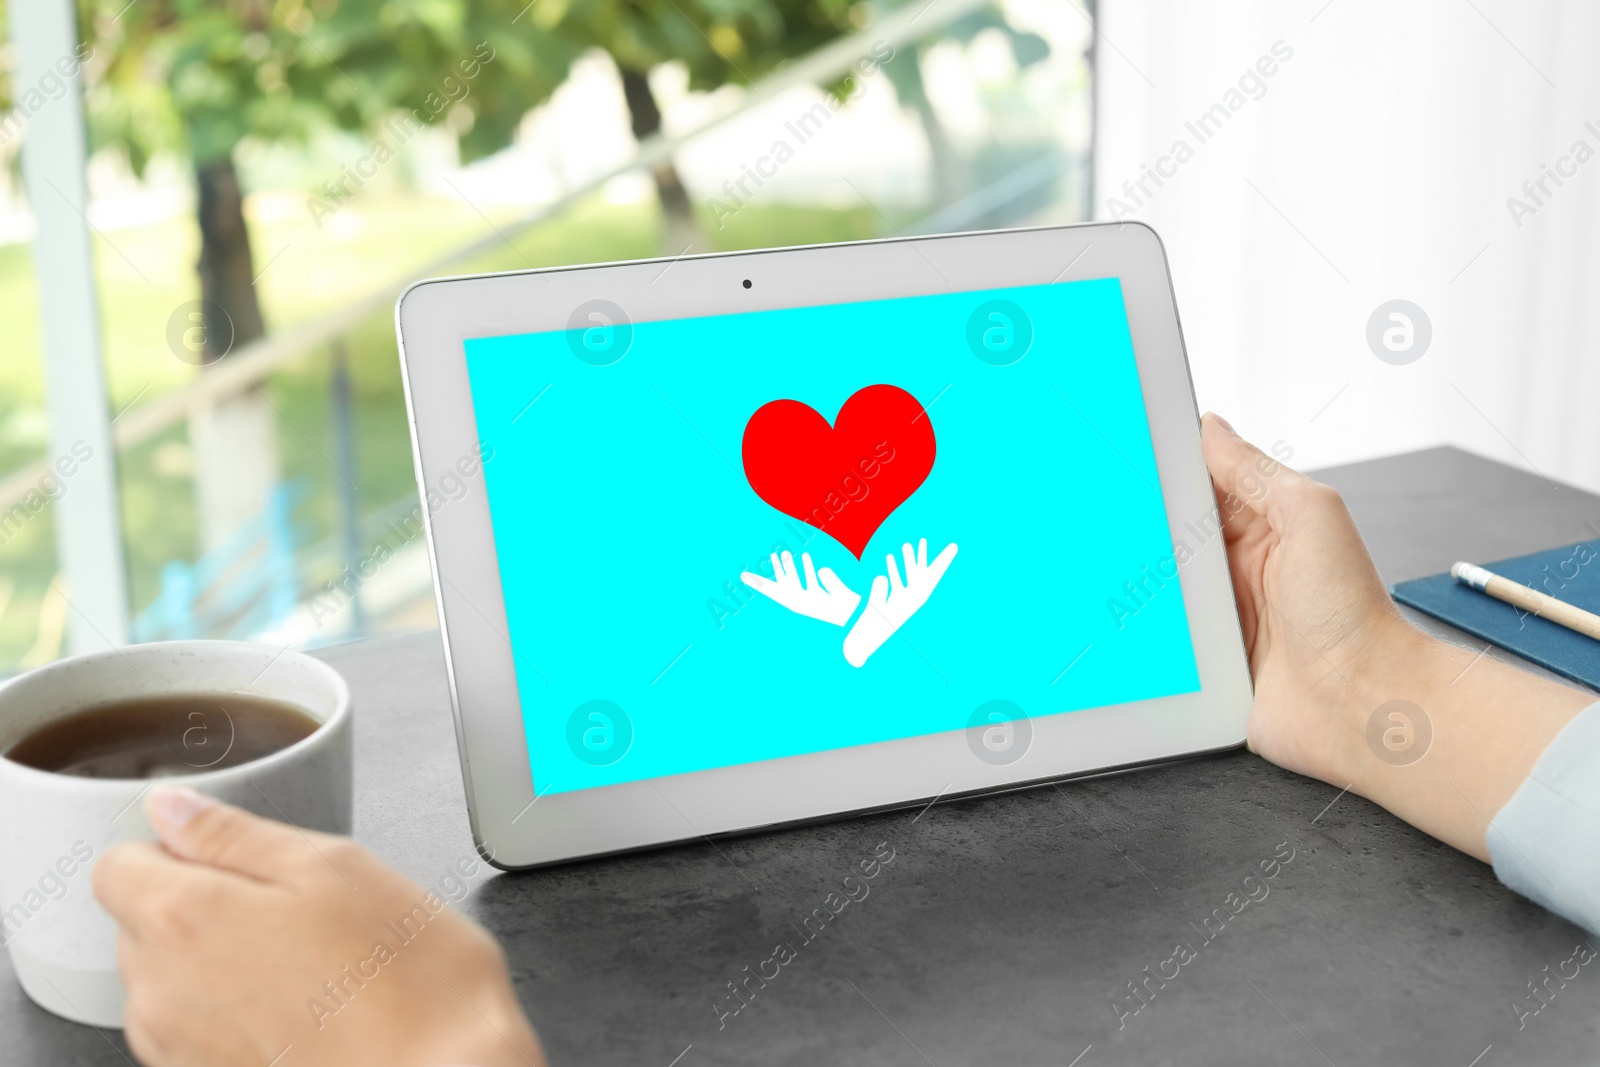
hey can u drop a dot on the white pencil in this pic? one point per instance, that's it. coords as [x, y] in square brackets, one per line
[1530, 600]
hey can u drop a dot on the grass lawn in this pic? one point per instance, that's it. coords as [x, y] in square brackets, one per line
[147, 272]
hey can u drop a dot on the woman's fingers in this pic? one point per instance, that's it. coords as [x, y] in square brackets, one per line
[199, 829]
[1245, 477]
[148, 891]
[129, 873]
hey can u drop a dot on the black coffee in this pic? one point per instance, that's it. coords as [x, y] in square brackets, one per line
[156, 737]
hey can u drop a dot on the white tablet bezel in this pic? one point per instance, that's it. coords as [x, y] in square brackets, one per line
[513, 823]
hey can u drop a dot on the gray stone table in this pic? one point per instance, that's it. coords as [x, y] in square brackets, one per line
[1006, 928]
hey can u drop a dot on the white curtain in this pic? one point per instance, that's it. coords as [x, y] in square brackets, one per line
[1374, 163]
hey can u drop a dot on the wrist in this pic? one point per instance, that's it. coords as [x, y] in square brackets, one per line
[489, 1031]
[1400, 664]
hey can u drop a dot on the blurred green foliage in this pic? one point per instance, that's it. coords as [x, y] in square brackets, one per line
[719, 41]
[194, 77]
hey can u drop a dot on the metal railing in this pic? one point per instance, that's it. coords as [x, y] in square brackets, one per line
[242, 587]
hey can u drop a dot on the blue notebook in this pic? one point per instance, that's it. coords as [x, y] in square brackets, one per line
[1570, 573]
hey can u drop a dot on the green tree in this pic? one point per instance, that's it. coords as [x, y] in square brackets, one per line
[720, 42]
[197, 77]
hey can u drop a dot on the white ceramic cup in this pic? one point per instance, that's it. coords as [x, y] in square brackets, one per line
[53, 827]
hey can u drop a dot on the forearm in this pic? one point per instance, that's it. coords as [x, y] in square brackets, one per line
[1489, 723]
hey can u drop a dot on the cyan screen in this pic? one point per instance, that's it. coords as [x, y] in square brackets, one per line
[623, 519]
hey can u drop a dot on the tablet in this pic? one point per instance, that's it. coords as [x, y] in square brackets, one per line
[732, 541]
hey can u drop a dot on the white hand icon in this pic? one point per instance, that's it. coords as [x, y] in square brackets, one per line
[823, 596]
[890, 604]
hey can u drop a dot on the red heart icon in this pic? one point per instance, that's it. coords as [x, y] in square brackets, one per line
[847, 478]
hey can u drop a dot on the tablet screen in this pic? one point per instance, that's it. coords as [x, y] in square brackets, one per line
[745, 537]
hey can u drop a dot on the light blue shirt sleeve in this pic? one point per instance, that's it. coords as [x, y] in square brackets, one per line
[1545, 843]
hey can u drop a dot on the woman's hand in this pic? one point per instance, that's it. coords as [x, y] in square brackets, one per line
[1328, 649]
[241, 937]
[1317, 621]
